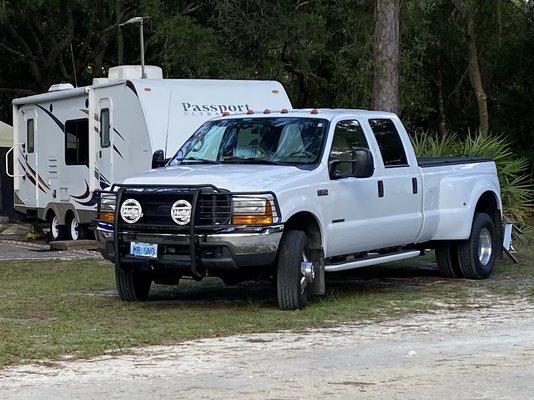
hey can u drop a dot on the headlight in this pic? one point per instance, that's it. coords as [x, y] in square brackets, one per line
[106, 206]
[254, 210]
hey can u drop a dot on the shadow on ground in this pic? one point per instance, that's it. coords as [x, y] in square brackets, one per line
[378, 279]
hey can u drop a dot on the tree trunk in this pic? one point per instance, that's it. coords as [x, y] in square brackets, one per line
[120, 40]
[498, 6]
[467, 14]
[386, 56]
[441, 101]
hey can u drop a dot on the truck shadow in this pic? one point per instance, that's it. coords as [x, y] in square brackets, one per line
[396, 277]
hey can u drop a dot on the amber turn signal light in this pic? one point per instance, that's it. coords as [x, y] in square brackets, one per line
[265, 218]
[106, 216]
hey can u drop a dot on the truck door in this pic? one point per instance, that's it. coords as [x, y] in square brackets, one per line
[352, 204]
[400, 184]
[369, 213]
[105, 153]
[28, 160]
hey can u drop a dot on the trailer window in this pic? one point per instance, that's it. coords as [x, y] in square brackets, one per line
[389, 142]
[77, 142]
[104, 128]
[30, 136]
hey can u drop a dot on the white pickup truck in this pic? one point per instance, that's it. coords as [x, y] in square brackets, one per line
[290, 195]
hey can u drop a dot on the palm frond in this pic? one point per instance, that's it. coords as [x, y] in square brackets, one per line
[517, 191]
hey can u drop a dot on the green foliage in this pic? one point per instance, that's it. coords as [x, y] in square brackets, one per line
[320, 50]
[516, 190]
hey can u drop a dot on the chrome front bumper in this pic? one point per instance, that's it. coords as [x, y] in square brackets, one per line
[231, 248]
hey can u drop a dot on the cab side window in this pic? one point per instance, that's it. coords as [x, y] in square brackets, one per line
[347, 135]
[389, 143]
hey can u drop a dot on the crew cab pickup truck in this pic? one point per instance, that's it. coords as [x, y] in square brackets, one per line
[289, 196]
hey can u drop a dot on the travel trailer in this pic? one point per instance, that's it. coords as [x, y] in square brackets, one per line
[70, 142]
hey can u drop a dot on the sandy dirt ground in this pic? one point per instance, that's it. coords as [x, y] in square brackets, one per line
[23, 250]
[483, 353]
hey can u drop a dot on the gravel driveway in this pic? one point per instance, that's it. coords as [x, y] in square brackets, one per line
[484, 353]
[24, 250]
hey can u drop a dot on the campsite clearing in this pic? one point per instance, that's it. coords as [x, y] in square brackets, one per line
[54, 310]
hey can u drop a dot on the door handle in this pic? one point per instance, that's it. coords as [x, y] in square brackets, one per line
[380, 189]
[414, 185]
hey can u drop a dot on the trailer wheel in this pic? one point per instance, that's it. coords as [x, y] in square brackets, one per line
[132, 285]
[447, 259]
[295, 271]
[76, 230]
[477, 254]
[57, 231]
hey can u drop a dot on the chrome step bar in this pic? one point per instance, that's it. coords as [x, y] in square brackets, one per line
[373, 260]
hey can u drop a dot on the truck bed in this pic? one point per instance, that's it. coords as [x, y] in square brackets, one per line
[427, 162]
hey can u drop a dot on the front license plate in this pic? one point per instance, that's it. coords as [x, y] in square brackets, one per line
[144, 249]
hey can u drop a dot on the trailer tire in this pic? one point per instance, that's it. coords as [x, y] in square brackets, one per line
[76, 230]
[57, 232]
[476, 255]
[132, 285]
[292, 287]
[447, 259]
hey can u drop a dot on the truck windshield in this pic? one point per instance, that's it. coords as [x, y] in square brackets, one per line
[278, 140]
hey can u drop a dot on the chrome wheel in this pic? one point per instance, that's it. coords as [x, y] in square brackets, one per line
[74, 229]
[485, 246]
[54, 227]
[307, 270]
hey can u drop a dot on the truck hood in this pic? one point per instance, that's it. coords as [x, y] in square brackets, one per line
[236, 178]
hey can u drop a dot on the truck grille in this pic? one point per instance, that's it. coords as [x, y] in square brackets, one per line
[212, 208]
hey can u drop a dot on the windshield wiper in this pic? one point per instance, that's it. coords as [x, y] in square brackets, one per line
[240, 160]
[200, 160]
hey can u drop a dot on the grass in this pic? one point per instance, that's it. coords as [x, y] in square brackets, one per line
[55, 309]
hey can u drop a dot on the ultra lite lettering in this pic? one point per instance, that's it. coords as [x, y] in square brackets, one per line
[220, 108]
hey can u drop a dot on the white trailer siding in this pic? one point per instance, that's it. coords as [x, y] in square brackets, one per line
[175, 108]
[145, 115]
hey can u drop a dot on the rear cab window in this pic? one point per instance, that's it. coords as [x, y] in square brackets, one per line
[389, 143]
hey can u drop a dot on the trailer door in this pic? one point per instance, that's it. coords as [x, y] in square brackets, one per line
[105, 155]
[28, 161]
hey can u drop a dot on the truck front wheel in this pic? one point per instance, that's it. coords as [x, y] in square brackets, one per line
[476, 255]
[132, 285]
[295, 271]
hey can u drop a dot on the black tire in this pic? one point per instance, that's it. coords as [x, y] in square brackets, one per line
[470, 262]
[132, 285]
[56, 232]
[81, 229]
[447, 259]
[291, 294]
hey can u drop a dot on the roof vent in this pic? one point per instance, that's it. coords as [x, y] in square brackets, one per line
[60, 86]
[134, 72]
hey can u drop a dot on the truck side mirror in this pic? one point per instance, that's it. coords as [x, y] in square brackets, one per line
[362, 165]
[158, 159]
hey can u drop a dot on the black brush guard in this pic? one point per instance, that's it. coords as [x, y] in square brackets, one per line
[195, 191]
